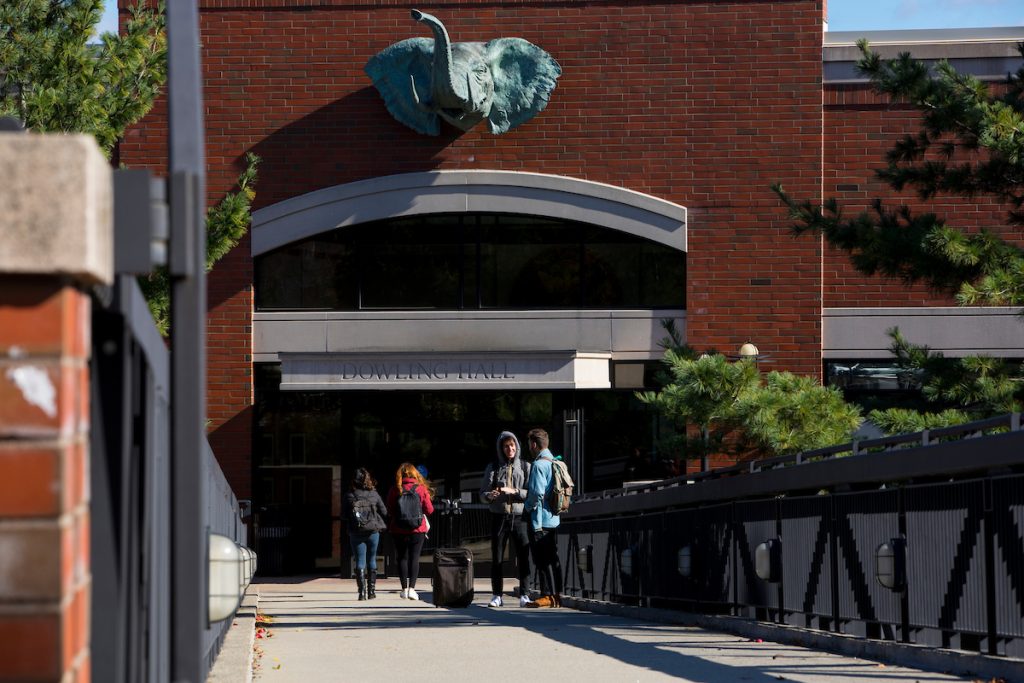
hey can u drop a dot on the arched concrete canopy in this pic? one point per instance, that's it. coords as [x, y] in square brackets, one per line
[432, 192]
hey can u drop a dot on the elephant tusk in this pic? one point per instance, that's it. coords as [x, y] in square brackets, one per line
[416, 95]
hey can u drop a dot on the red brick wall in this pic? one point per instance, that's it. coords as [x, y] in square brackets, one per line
[701, 103]
[860, 127]
[44, 515]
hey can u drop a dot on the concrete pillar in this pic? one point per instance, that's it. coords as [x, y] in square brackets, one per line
[55, 244]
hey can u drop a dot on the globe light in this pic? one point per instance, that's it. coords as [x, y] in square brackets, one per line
[749, 352]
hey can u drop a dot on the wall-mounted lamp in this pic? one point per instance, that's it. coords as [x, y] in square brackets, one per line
[626, 562]
[750, 352]
[891, 564]
[684, 561]
[768, 560]
[248, 568]
[231, 569]
[585, 559]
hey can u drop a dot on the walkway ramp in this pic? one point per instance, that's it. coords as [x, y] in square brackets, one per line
[318, 631]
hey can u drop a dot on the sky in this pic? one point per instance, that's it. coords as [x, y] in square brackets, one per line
[864, 15]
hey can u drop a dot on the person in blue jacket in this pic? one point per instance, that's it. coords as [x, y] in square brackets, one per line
[543, 524]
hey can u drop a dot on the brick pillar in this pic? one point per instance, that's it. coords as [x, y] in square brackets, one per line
[55, 244]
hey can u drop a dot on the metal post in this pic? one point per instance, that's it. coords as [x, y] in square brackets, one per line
[705, 440]
[111, 444]
[187, 269]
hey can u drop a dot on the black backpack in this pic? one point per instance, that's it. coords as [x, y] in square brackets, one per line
[410, 509]
[363, 513]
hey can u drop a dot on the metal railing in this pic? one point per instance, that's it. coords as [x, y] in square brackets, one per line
[917, 538]
[132, 562]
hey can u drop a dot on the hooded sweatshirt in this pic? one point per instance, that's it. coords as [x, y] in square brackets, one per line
[496, 476]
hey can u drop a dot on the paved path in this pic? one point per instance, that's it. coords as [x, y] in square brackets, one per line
[320, 632]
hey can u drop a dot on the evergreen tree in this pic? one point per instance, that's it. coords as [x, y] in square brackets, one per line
[971, 144]
[791, 413]
[703, 392]
[959, 389]
[226, 223]
[55, 79]
[734, 409]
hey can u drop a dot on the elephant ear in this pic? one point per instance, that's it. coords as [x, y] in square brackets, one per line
[524, 76]
[390, 70]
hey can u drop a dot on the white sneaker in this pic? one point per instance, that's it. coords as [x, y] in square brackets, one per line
[524, 600]
[412, 594]
[404, 594]
[495, 601]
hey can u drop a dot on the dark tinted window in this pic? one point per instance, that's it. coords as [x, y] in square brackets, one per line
[528, 263]
[465, 261]
[411, 265]
[314, 274]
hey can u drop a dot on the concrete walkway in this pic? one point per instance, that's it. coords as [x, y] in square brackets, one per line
[320, 632]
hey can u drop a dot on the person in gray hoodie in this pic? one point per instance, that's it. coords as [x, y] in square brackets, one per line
[504, 488]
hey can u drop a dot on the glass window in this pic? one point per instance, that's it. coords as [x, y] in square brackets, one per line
[871, 376]
[619, 267]
[315, 274]
[875, 384]
[276, 284]
[529, 263]
[411, 265]
[471, 261]
[662, 274]
[611, 268]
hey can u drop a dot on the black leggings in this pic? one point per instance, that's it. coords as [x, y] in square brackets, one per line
[407, 549]
[512, 530]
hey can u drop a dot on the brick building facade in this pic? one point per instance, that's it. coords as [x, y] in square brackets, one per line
[698, 104]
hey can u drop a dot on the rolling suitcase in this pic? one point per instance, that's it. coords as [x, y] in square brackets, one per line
[452, 582]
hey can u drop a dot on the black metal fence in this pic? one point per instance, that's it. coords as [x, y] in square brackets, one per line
[132, 498]
[914, 539]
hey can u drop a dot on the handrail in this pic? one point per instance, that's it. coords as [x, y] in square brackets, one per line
[927, 438]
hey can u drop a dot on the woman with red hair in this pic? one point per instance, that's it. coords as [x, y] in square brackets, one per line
[408, 507]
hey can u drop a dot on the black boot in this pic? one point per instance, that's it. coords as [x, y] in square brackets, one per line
[371, 584]
[361, 583]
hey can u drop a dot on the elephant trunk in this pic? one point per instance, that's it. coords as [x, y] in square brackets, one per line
[442, 88]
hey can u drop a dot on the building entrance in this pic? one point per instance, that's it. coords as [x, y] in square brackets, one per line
[307, 444]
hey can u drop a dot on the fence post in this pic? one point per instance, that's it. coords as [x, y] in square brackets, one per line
[51, 254]
[187, 268]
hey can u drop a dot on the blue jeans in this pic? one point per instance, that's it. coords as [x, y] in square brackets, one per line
[364, 545]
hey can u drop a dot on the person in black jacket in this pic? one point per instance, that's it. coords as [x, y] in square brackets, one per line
[364, 513]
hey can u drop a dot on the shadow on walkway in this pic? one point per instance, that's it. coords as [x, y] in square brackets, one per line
[538, 636]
